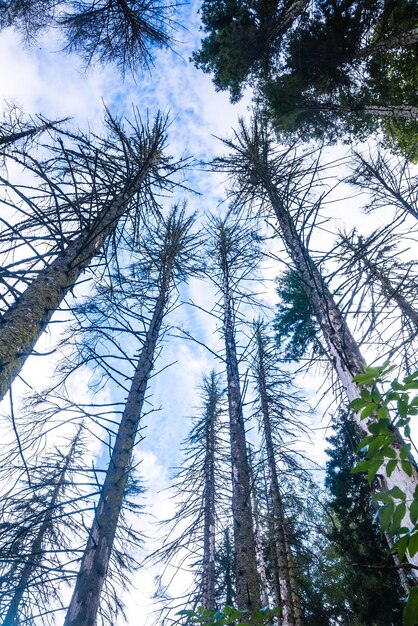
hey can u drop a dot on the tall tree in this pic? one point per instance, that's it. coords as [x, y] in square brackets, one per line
[170, 258]
[281, 183]
[274, 407]
[39, 521]
[232, 253]
[338, 68]
[190, 535]
[87, 192]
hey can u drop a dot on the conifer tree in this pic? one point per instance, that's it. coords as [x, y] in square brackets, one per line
[87, 193]
[233, 253]
[281, 183]
[168, 257]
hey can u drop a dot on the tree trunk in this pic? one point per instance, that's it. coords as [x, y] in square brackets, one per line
[208, 575]
[343, 349]
[404, 111]
[84, 604]
[8, 138]
[35, 557]
[288, 616]
[409, 38]
[24, 322]
[247, 585]
[297, 607]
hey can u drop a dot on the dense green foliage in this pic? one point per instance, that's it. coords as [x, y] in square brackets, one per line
[340, 69]
[373, 595]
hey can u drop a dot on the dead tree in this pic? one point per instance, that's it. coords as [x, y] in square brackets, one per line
[88, 195]
[280, 184]
[168, 257]
[231, 254]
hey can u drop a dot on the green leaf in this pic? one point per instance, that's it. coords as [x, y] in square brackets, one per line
[361, 466]
[413, 512]
[389, 453]
[383, 413]
[403, 407]
[357, 404]
[398, 516]
[401, 546]
[405, 451]
[373, 469]
[368, 410]
[390, 467]
[413, 544]
[396, 492]
[386, 513]
[407, 467]
[382, 496]
[410, 612]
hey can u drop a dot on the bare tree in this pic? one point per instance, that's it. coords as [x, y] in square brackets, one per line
[88, 195]
[121, 32]
[232, 252]
[169, 258]
[281, 183]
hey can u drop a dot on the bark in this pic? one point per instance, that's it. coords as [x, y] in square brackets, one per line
[288, 615]
[34, 559]
[297, 606]
[24, 322]
[259, 547]
[208, 575]
[409, 38]
[404, 111]
[247, 584]
[84, 604]
[342, 348]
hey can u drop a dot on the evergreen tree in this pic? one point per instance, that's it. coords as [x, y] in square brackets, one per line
[372, 587]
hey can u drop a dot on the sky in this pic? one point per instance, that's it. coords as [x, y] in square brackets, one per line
[44, 80]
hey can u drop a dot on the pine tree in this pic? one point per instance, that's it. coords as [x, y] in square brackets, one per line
[232, 253]
[170, 258]
[116, 177]
[282, 181]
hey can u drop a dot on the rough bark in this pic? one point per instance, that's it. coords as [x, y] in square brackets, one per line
[208, 574]
[24, 322]
[84, 604]
[409, 38]
[288, 615]
[8, 138]
[342, 347]
[404, 111]
[247, 584]
[34, 558]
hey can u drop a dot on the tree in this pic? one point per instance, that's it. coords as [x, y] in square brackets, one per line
[281, 183]
[190, 535]
[169, 258]
[41, 519]
[120, 32]
[277, 411]
[372, 587]
[338, 69]
[87, 194]
[232, 253]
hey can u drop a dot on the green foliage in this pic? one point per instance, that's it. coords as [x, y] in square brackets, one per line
[318, 73]
[373, 596]
[382, 451]
[295, 324]
[229, 616]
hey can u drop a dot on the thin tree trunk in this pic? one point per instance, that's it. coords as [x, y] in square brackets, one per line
[35, 557]
[247, 584]
[9, 138]
[24, 322]
[297, 607]
[259, 541]
[84, 604]
[288, 615]
[343, 349]
[208, 576]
